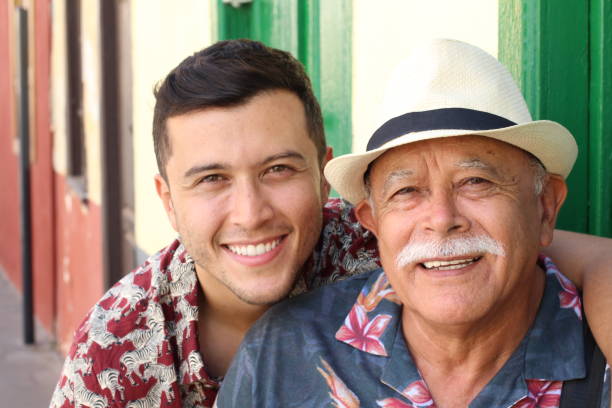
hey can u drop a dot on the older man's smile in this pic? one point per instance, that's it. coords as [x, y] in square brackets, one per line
[447, 265]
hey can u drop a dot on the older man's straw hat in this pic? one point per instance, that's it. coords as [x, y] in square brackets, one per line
[450, 88]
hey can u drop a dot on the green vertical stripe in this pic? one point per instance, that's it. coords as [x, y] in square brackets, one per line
[600, 189]
[564, 93]
[275, 23]
[549, 42]
[309, 40]
[335, 67]
[318, 33]
[233, 22]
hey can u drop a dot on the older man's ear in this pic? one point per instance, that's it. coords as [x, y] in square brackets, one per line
[551, 199]
[365, 215]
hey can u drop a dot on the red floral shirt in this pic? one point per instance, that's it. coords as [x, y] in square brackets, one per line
[138, 346]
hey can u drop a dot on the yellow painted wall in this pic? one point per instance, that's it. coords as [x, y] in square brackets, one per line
[384, 31]
[163, 34]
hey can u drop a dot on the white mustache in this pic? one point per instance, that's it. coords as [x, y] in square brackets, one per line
[415, 251]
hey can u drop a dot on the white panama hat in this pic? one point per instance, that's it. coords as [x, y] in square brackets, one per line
[449, 88]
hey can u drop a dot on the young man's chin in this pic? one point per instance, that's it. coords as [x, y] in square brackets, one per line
[262, 296]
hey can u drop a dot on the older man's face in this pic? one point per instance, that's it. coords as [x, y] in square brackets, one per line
[459, 225]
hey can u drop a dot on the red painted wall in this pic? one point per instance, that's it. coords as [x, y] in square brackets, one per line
[79, 260]
[41, 172]
[66, 236]
[10, 242]
[43, 261]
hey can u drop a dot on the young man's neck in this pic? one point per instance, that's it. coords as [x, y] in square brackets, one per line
[223, 320]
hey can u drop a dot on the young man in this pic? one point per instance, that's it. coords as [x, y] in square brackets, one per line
[240, 147]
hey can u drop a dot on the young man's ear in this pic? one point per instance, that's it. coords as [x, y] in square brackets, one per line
[325, 187]
[163, 191]
[552, 197]
[364, 211]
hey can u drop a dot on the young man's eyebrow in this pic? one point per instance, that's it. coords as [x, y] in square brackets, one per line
[393, 177]
[202, 168]
[289, 154]
[221, 166]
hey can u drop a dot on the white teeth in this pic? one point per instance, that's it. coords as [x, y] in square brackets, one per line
[254, 250]
[448, 265]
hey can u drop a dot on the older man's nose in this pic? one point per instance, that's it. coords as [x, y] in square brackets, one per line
[250, 207]
[444, 216]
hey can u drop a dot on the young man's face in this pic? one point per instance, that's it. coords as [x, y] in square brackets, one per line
[245, 192]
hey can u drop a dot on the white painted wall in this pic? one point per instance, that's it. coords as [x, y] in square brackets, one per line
[163, 34]
[384, 32]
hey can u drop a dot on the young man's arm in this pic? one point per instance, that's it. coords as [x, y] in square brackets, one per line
[587, 261]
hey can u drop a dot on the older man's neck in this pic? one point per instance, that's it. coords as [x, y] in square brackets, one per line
[457, 361]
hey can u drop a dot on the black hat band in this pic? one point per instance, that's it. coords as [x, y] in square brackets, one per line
[447, 118]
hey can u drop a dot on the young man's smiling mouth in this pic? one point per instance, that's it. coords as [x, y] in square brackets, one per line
[254, 249]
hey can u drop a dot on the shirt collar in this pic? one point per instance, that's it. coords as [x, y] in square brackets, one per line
[183, 291]
[554, 349]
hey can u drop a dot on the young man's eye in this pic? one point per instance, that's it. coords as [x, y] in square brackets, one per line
[279, 168]
[211, 178]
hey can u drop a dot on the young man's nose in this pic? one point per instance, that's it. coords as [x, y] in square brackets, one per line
[250, 206]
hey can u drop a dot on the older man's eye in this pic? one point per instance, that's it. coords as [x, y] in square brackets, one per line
[476, 184]
[476, 181]
[405, 191]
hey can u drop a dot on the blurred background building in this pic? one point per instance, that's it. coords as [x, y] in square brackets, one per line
[85, 96]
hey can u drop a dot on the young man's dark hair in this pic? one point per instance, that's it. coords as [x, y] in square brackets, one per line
[227, 74]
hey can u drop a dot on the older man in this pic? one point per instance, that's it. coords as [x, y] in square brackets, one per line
[462, 190]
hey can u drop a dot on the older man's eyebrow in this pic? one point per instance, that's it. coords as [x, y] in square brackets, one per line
[475, 163]
[472, 163]
[393, 177]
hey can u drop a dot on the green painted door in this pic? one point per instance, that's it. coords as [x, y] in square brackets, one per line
[318, 33]
[560, 52]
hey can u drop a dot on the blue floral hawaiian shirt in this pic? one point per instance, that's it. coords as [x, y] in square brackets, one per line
[342, 346]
